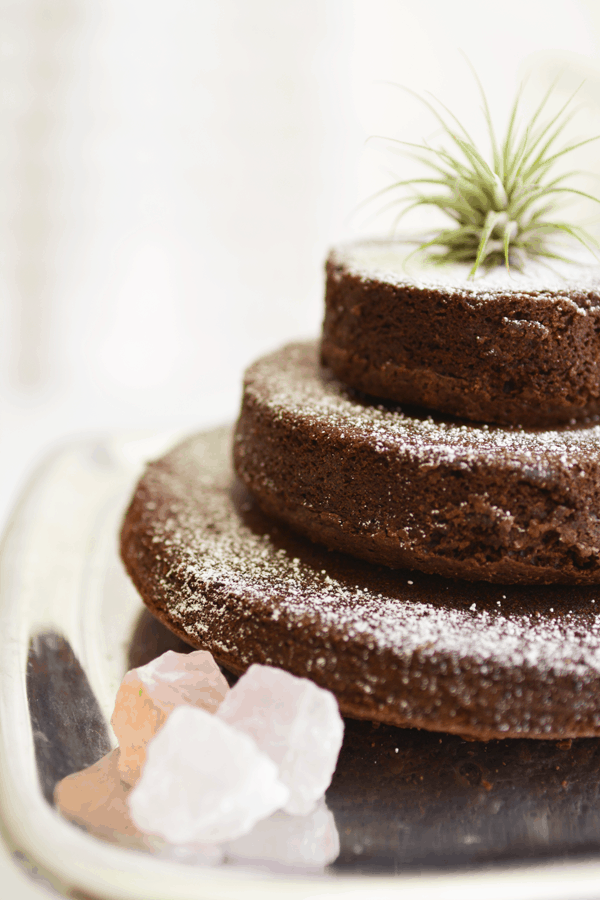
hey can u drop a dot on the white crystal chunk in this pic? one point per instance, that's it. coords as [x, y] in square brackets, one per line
[310, 841]
[204, 781]
[295, 722]
[148, 694]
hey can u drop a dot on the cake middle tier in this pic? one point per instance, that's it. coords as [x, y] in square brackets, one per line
[407, 489]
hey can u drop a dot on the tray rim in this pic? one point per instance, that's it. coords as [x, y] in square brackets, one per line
[72, 859]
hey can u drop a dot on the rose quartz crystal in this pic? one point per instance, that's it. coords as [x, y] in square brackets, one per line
[293, 721]
[310, 841]
[204, 781]
[95, 799]
[147, 695]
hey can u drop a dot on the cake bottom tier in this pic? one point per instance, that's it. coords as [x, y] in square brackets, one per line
[478, 659]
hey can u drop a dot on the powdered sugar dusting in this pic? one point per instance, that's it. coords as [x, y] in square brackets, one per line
[290, 383]
[396, 263]
[221, 561]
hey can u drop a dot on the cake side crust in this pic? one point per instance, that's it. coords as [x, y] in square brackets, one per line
[401, 488]
[513, 352]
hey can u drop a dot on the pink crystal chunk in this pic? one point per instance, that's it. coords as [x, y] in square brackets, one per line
[204, 781]
[310, 841]
[149, 694]
[293, 721]
[95, 799]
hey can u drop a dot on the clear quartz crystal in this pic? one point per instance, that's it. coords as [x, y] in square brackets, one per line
[204, 781]
[295, 722]
[147, 696]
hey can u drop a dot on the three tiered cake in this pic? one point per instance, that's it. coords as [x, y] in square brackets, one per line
[434, 565]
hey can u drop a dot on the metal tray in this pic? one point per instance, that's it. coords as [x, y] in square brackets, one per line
[416, 812]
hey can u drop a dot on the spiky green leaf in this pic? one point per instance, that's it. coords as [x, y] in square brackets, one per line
[502, 209]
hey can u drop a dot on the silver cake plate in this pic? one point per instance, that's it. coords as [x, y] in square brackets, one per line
[71, 624]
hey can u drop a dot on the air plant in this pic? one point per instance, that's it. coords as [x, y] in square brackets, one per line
[505, 210]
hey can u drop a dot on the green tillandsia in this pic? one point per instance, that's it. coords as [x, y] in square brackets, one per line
[503, 211]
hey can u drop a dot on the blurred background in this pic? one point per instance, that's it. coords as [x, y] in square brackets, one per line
[172, 175]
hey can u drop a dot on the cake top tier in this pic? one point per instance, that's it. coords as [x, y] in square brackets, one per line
[575, 281]
[517, 348]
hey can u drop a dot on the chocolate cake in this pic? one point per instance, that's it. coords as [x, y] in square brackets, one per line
[496, 634]
[398, 647]
[506, 347]
[407, 489]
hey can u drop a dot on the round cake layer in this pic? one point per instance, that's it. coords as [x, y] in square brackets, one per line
[394, 646]
[505, 347]
[408, 490]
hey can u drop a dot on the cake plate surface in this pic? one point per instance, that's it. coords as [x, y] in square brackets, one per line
[416, 812]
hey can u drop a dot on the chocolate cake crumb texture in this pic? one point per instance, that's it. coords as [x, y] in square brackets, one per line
[401, 487]
[507, 347]
[400, 647]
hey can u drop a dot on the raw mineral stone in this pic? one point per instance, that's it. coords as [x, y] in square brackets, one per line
[148, 694]
[293, 721]
[310, 841]
[96, 800]
[192, 854]
[204, 781]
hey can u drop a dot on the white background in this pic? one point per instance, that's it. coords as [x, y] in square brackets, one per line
[172, 173]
